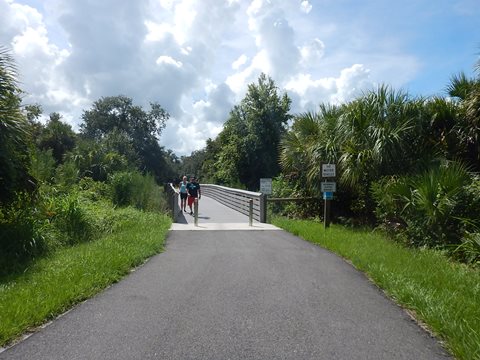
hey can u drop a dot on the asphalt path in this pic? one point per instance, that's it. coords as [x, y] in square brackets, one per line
[235, 295]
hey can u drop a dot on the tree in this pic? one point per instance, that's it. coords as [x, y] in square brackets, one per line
[467, 92]
[15, 137]
[141, 129]
[311, 141]
[251, 136]
[57, 136]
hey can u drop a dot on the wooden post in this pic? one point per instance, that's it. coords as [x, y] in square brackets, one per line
[326, 214]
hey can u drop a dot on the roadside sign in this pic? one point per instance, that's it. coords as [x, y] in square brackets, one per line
[328, 195]
[328, 170]
[266, 186]
[328, 186]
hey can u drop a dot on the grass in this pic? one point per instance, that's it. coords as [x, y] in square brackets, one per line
[442, 294]
[70, 275]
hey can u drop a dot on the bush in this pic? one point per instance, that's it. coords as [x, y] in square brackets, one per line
[43, 165]
[135, 189]
[67, 174]
[94, 190]
[282, 187]
[34, 225]
[435, 209]
[469, 250]
[24, 232]
[72, 220]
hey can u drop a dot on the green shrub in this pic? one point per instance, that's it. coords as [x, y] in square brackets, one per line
[135, 189]
[434, 209]
[72, 219]
[122, 186]
[94, 190]
[282, 187]
[43, 165]
[469, 250]
[24, 231]
[67, 174]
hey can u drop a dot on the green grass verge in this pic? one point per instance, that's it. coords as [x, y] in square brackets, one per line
[442, 294]
[55, 283]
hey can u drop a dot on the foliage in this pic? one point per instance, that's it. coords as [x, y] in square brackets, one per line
[72, 219]
[195, 163]
[283, 187]
[467, 93]
[366, 138]
[97, 160]
[302, 152]
[24, 231]
[383, 133]
[135, 189]
[247, 148]
[33, 225]
[57, 136]
[130, 131]
[434, 208]
[15, 141]
[469, 250]
[67, 174]
[43, 165]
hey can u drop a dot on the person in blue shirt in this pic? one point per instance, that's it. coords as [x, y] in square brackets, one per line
[193, 189]
[182, 189]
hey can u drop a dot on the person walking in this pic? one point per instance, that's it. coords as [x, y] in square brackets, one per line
[194, 192]
[182, 189]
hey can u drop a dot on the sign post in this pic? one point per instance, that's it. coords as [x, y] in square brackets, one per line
[328, 187]
[265, 189]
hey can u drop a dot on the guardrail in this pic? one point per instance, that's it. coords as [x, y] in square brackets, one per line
[238, 200]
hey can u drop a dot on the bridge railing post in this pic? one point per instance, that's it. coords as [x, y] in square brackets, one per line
[195, 211]
[263, 208]
[250, 212]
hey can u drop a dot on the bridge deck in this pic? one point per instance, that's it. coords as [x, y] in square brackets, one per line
[215, 216]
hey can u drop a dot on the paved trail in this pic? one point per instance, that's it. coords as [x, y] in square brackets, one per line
[235, 295]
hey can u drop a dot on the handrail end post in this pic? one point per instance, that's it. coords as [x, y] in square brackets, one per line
[250, 212]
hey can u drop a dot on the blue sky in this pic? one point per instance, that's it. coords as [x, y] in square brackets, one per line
[196, 57]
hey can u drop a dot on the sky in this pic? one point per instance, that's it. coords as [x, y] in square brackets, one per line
[197, 57]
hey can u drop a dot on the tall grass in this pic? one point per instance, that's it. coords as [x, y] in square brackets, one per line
[133, 188]
[53, 284]
[444, 295]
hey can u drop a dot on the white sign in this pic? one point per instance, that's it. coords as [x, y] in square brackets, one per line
[329, 186]
[328, 170]
[266, 186]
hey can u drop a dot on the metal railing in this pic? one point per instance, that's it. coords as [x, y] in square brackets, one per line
[172, 199]
[239, 200]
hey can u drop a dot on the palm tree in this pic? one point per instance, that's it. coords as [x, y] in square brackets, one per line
[311, 142]
[466, 93]
[14, 132]
[376, 132]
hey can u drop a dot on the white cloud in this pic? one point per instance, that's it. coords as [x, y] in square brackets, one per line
[237, 64]
[350, 82]
[169, 61]
[196, 58]
[305, 7]
[312, 52]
